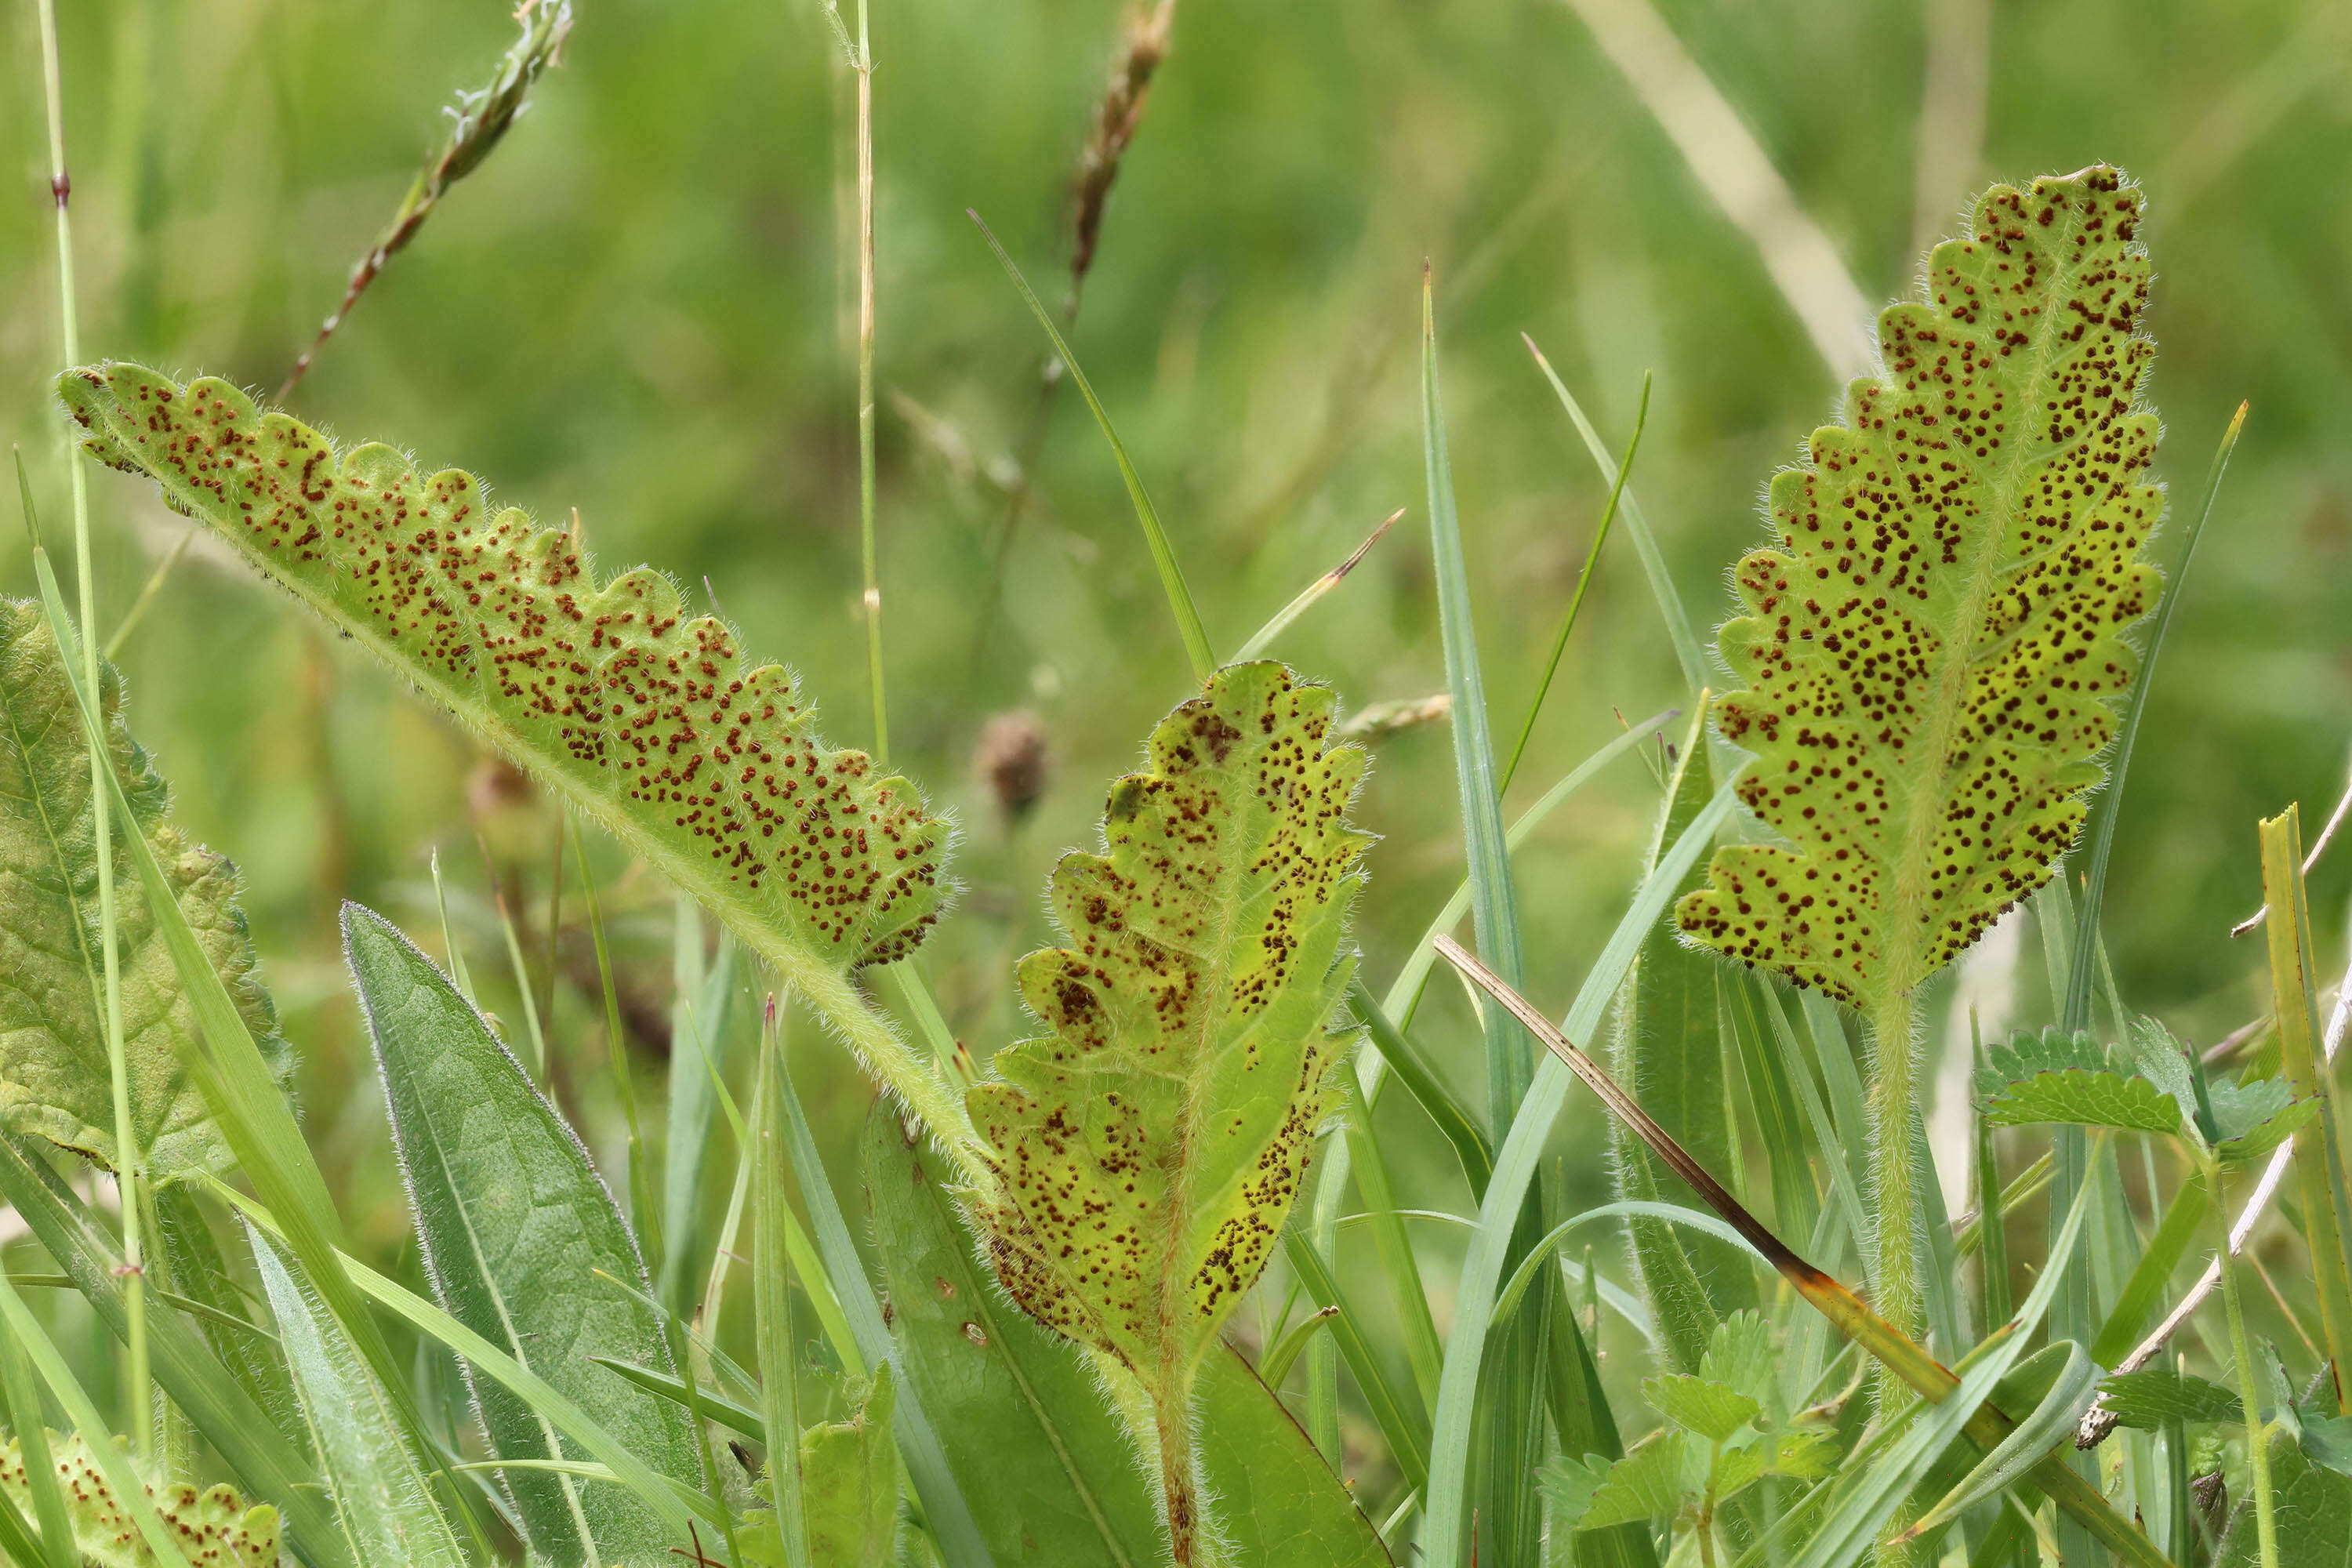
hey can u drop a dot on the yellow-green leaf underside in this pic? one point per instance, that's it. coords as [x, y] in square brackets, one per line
[1149, 1147]
[214, 1527]
[54, 1077]
[1934, 639]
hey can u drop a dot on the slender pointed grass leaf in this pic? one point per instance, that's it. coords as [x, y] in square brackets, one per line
[1308, 596]
[1425, 1081]
[1155, 537]
[1576, 599]
[705, 1402]
[325, 526]
[1275, 1364]
[1687, 656]
[2051, 1419]
[1506, 1302]
[699, 1038]
[380, 1491]
[515, 1228]
[2077, 1012]
[771, 1309]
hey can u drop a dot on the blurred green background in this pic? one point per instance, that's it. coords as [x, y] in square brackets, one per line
[641, 307]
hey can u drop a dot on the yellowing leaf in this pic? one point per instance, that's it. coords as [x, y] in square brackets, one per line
[1147, 1149]
[213, 1526]
[1934, 639]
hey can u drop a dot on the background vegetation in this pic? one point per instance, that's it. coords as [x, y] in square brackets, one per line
[641, 307]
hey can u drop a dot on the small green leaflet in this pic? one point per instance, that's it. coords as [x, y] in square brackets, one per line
[2146, 1400]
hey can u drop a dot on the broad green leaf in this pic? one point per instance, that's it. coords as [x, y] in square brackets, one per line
[1669, 1054]
[54, 1077]
[2054, 1078]
[523, 1246]
[1715, 1411]
[2327, 1440]
[649, 720]
[1934, 639]
[849, 1473]
[2312, 1511]
[1048, 1466]
[2148, 1399]
[269, 1467]
[2256, 1118]
[215, 1527]
[1278, 1501]
[379, 1490]
[1147, 1149]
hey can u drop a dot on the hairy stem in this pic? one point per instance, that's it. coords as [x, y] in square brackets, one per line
[127, 1159]
[1171, 1414]
[2250, 1393]
[1895, 1266]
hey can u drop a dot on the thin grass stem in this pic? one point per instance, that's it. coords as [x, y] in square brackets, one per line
[129, 1161]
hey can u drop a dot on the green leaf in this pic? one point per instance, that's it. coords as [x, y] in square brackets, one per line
[2051, 1077]
[54, 1077]
[2256, 1118]
[2146, 1400]
[1649, 1483]
[647, 721]
[850, 1475]
[1147, 1150]
[2327, 1441]
[1049, 1468]
[1934, 640]
[523, 1245]
[1669, 1054]
[1278, 1501]
[1715, 1411]
[2312, 1511]
[213, 1526]
[1742, 1356]
[379, 1490]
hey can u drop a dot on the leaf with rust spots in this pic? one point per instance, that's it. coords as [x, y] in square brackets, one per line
[651, 721]
[1149, 1147]
[1934, 640]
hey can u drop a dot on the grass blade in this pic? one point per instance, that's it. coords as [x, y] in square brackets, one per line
[380, 1491]
[130, 1490]
[771, 1308]
[1576, 600]
[1307, 597]
[1402, 1421]
[1985, 1424]
[32, 1429]
[1155, 537]
[2077, 1014]
[1688, 657]
[1447, 1516]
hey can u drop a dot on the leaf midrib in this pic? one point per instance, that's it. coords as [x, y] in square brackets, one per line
[1929, 809]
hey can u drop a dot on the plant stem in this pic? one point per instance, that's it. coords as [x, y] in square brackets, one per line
[864, 61]
[127, 1157]
[2258, 1456]
[1171, 1414]
[1895, 1260]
